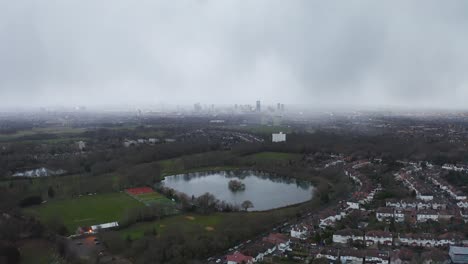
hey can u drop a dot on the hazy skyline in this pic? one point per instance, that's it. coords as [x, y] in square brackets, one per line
[320, 53]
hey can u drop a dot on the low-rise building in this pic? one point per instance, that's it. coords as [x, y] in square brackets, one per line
[449, 239]
[299, 231]
[425, 196]
[378, 237]
[384, 213]
[425, 215]
[348, 235]
[458, 254]
[331, 254]
[280, 240]
[278, 137]
[239, 258]
[417, 240]
[351, 256]
[81, 145]
[376, 256]
[259, 250]
[153, 140]
[446, 215]
[463, 204]
[97, 228]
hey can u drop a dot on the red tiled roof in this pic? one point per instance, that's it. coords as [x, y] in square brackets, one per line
[378, 233]
[275, 238]
[238, 257]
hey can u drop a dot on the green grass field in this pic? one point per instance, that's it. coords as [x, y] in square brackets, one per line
[86, 210]
[197, 224]
[156, 199]
[186, 221]
[176, 165]
[65, 131]
[150, 196]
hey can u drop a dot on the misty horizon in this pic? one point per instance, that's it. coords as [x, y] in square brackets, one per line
[314, 54]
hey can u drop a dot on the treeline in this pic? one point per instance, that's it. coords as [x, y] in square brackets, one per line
[108, 159]
[365, 146]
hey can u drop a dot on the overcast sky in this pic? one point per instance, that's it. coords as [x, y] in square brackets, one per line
[357, 53]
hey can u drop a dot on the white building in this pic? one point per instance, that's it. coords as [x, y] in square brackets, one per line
[153, 140]
[377, 256]
[378, 237]
[128, 143]
[399, 215]
[425, 197]
[96, 228]
[384, 213]
[425, 215]
[346, 235]
[353, 205]
[278, 137]
[331, 254]
[300, 232]
[351, 256]
[458, 254]
[463, 204]
[417, 240]
[81, 145]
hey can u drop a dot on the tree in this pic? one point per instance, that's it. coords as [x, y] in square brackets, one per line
[113, 241]
[324, 198]
[317, 238]
[10, 254]
[30, 200]
[320, 261]
[207, 203]
[246, 205]
[235, 185]
[51, 192]
[56, 225]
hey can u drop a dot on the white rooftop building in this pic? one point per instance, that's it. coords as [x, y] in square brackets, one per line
[278, 137]
[96, 228]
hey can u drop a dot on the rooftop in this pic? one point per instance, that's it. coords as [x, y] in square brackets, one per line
[459, 250]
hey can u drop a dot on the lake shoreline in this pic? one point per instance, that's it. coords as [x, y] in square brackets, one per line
[265, 190]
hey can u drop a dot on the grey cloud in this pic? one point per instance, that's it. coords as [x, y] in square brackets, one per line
[364, 53]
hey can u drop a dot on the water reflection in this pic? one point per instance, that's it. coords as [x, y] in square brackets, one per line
[264, 190]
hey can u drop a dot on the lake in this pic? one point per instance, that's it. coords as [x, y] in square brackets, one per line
[263, 190]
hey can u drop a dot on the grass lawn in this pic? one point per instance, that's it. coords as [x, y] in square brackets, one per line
[272, 156]
[187, 221]
[176, 165]
[197, 224]
[155, 198]
[65, 131]
[86, 210]
[150, 196]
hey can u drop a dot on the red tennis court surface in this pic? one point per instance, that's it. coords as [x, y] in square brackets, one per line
[137, 191]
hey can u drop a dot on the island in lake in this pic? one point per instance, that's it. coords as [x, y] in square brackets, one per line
[235, 185]
[259, 187]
